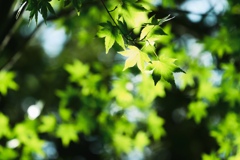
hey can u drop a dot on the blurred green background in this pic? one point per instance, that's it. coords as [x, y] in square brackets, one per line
[63, 97]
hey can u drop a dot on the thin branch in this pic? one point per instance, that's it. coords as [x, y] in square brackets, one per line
[18, 53]
[114, 9]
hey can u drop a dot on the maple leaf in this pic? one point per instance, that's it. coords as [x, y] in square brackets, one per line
[67, 132]
[135, 56]
[129, 9]
[6, 81]
[152, 30]
[111, 34]
[49, 123]
[141, 140]
[197, 110]
[155, 125]
[164, 68]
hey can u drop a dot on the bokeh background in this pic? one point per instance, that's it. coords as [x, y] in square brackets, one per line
[63, 97]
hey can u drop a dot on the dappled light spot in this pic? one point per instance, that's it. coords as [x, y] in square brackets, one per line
[35, 110]
[13, 143]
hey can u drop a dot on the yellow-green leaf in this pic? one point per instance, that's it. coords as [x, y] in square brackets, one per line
[135, 56]
[6, 81]
[141, 140]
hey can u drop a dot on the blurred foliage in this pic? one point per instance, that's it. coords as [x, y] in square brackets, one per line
[132, 103]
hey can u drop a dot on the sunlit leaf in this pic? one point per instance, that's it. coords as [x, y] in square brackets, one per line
[111, 34]
[6, 81]
[4, 125]
[122, 143]
[163, 68]
[7, 153]
[49, 124]
[67, 132]
[135, 56]
[155, 125]
[141, 140]
[197, 110]
[77, 70]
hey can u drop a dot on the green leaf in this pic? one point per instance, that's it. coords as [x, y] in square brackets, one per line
[49, 123]
[156, 77]
[163, 20]
[123, 26]
[67, 132]
[7, 153]
[197, 110]
[4, 125]
[111, 34]
[129, 9]
[66, 95]
[155, 125]
[151, 31]
[146, 30]
[50, 8]
[77, 5]
[32, 13]
[135, 56]
[65, 113]
[141, 140]
[74, 70]
[85, 122]
[159, 31]
[122, 143]
[44, 12]
[163, 68]
[6, 81]
[213, 156]
[208, 91]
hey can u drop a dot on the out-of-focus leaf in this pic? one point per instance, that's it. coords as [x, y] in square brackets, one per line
[111, 34]
[67, 132]
[7, 153]
[163, 68]
[197, 110]
[6, 81]
[49, 124]
[4, 125]
[155, 125]
[122, 143]
[141, 140]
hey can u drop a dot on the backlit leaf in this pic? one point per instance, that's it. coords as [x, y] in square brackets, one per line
[163, 68]
[135, 56]
[6, 81]
[111, 34]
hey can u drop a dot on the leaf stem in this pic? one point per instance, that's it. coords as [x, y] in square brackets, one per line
[153, 49]
[114, 9]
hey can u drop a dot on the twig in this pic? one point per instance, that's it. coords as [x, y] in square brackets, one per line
[114, 9]
[17, 55]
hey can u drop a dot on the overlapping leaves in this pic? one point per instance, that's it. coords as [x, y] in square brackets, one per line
[42, 6]
[111, 34]
[135, 56]
[163, 68]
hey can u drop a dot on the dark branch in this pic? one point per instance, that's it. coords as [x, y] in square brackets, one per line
[18, 53]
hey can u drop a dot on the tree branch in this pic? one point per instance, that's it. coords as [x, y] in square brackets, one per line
[18, 52]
